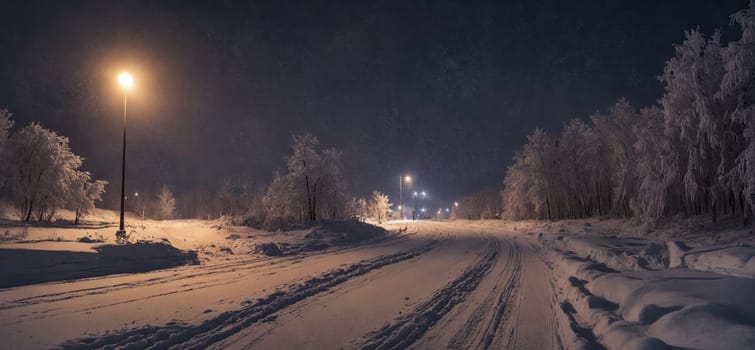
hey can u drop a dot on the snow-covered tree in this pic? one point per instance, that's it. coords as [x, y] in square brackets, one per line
[333, 200]
[43, 169]
[226, 199]
[251, 203]
[738, 95]
[695, 120]
[529, 187]
[360, 209]
[379, 206]
[197, 203]
[166, 203]
[611, 161]
[312, 187]
[655, 171]
[5, 124]
[304, 169]
[481, 205]
[575, 153]
[690, 155]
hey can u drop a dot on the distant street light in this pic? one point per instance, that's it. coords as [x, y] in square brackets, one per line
[126, 81]
[456, 204]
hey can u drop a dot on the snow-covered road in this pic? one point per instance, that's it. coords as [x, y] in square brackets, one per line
[435, 286]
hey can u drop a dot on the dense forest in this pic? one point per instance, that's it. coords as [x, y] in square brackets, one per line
[690, 154]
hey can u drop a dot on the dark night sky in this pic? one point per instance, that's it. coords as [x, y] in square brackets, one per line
[446, 90]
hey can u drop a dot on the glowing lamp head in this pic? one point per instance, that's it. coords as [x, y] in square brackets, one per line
[126, 80]
[408, 179]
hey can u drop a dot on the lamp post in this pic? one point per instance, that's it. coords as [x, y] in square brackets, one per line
[126, 81]
[401, 180]
[414, 205]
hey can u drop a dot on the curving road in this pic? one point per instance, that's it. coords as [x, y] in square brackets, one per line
[441, 285]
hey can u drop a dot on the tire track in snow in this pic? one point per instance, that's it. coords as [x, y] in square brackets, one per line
[532, 323]
[177, 336]
[407, 329]
[483, 328]
[238, 265]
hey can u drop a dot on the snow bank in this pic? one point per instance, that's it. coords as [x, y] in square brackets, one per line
[611, 296]
[632, 253]
[735, 261]
[685, 308]
[626, 253]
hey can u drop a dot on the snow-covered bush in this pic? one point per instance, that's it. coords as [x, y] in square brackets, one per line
[379, 206]
[360, 209]
[82, 194]
[166, 203]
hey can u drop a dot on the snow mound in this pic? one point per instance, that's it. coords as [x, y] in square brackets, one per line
[322, 236]
[345, 232]
[32, 266]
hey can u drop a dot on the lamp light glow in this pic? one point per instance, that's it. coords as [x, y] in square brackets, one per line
[126, 80]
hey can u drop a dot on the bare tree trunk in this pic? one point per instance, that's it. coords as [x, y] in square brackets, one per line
[314, 200]
[309, 198]
[29, 210]
[752, 169]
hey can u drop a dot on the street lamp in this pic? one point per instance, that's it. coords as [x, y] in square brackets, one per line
[126, 81]
[401, 180]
